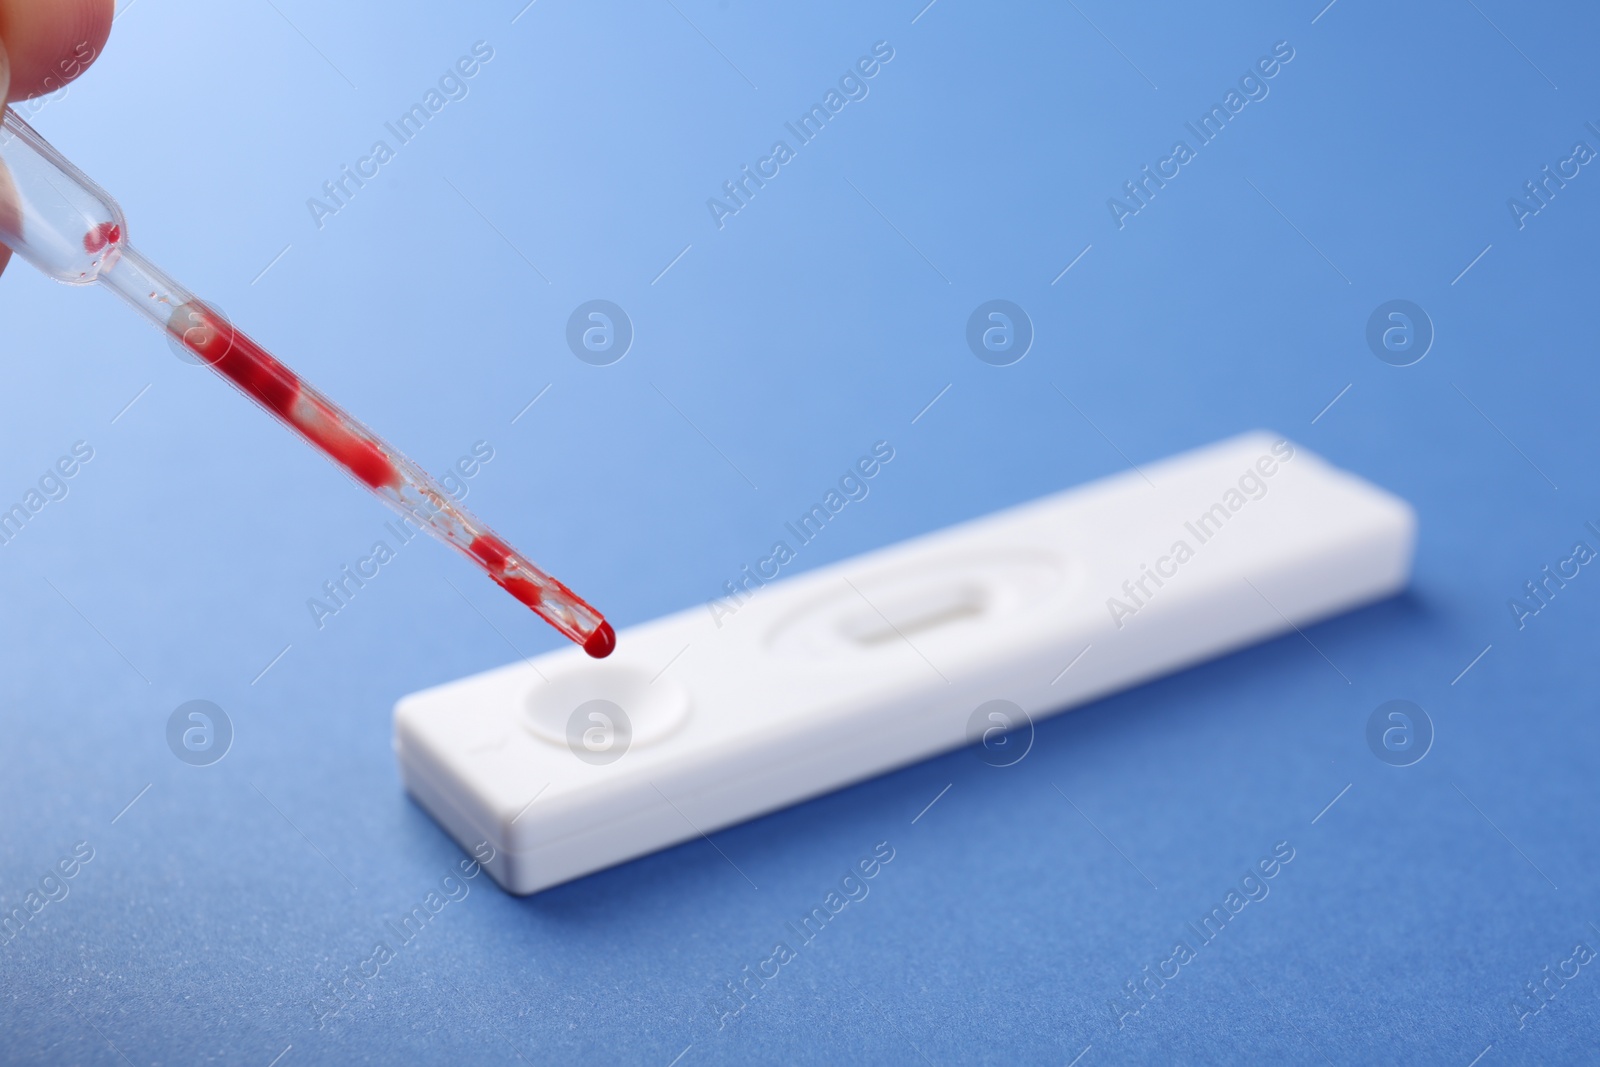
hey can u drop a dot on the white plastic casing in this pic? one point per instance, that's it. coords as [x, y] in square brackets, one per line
[854, 669]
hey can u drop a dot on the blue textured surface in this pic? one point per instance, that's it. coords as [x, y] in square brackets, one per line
[823, 316]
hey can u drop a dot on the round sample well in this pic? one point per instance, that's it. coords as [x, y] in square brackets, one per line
[651, 710]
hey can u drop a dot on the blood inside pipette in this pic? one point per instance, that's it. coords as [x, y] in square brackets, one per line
[494, 554]
[278, 389]
[106, 233]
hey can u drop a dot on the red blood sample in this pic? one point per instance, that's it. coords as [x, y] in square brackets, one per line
[601, 642]
[106, 233]
[255, 371]
[495, 555]
[277, 388]
[520, 588]
[356, 454]
[490, 551]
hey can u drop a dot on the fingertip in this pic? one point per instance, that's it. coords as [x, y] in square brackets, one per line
[51, 42]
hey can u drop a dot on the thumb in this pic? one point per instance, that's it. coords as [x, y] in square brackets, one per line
[7, 190]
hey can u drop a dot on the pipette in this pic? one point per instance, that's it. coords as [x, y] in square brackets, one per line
[56, 218]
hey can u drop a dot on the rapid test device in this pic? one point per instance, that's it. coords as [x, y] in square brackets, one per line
[565, 765]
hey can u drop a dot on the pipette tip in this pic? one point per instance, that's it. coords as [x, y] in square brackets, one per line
[601, 642]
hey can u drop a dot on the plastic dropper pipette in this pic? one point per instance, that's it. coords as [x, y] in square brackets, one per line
[54, 217]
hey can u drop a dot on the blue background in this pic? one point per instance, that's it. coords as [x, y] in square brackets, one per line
[821, 318]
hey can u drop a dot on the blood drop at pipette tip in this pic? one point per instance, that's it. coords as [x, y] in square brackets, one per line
[601, 642]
